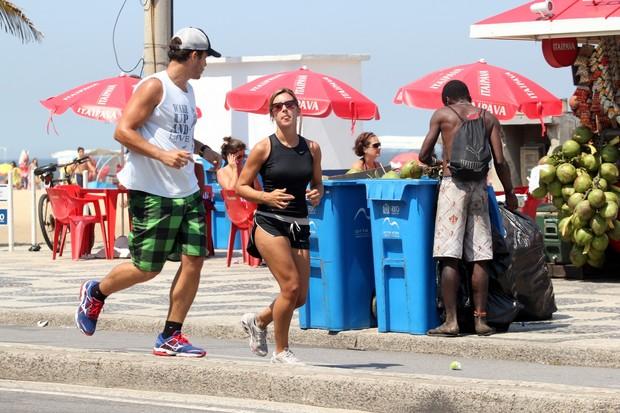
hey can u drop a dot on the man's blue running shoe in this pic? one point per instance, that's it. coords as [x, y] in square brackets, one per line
[88, 311]
[176, 345]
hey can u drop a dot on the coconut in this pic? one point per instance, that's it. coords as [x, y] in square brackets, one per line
[595, 254]
[584, 210]
[353, 171]
[577, 257]
[547, 173]
[589, 162]
[614, 233]
[566, 173]
[557, 202]
[574, 199]
[612, 197]
[609, 210]
[582, 134]
[565, 228]
[600, 242]
[598, 225]
[411, 169]
[600, 183]
[596, 198]
[596, 263]
[390, 175]
[609, 171]
[571, 149]
[583, 237]
[578, 222]
[555, 188]
[540, 192]
[544, 160]
[610, 154]
[565, 211]
[582, 183]
[567, 191]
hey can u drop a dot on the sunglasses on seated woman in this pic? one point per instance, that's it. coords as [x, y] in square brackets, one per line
[376, 145]
[289, 104]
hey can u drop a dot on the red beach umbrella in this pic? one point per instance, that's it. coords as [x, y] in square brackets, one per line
[100, 100]
[500, 91]
[318, 94]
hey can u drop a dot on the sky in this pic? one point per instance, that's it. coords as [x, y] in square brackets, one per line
[405, 39]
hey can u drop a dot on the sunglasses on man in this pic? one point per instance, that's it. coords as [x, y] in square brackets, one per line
[289, 104]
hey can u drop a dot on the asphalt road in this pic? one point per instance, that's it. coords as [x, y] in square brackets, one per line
[394, 362]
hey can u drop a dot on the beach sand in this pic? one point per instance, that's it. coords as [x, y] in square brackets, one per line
[22, 221]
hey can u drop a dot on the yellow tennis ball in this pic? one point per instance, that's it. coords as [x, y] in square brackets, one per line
[455, 365]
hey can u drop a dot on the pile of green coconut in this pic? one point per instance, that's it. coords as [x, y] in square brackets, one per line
[581, 177]
[410, 170]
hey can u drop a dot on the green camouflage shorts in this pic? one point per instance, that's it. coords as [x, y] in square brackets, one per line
[165, 225]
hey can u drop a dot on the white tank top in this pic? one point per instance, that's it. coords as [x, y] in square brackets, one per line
[171, 126]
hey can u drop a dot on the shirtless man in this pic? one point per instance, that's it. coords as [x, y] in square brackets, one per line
[462, 223]
[89, 166]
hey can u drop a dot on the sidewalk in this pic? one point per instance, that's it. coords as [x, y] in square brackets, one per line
[585, 331]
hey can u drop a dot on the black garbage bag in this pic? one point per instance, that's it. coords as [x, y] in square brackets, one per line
[528, 269]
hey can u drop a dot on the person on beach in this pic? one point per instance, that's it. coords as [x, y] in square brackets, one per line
[157, 128]
[462, 222]
[233, 152]
[287, 163]
[77, 169]
[368, 149]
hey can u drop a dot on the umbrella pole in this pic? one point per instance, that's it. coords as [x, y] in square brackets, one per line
[300, 125]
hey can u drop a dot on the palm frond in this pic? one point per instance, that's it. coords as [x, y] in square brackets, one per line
[15, 22]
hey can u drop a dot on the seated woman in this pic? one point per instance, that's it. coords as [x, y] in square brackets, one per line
[368, 148]
[233, 153]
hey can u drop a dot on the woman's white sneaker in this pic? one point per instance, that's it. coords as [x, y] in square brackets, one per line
[258, 336]
[285, 357]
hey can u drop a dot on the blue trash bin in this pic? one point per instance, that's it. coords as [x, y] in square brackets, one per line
[403, 221]
[220, 222]
[341, 273]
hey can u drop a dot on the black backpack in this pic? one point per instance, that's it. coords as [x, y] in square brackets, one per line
[471, 151]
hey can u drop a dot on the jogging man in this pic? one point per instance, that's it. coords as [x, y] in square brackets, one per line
[157, 127]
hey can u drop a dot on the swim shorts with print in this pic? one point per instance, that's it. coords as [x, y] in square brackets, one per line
[462, 223]
[164, 225]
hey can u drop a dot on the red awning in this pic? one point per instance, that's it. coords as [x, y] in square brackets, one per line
[583, 19]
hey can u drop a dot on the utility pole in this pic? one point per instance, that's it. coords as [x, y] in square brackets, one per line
[157, 34]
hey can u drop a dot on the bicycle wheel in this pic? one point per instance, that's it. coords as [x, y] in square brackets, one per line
[46, 221]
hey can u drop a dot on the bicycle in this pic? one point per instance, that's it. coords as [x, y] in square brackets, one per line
[44, 207]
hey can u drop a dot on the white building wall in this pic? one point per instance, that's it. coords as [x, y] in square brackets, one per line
[221, 75]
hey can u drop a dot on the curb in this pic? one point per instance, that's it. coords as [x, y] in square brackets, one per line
[561, 354]
[316, 386]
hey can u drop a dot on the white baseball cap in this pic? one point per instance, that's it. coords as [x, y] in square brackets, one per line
[195, 39]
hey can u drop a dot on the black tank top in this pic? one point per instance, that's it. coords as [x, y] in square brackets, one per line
[289, 168]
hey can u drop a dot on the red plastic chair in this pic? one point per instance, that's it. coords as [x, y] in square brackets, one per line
[207, 199]
[241, 215]
[67, 210]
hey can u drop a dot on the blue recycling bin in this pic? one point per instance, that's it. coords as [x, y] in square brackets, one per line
[341, 272]
[220, 222]
[402, 215]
